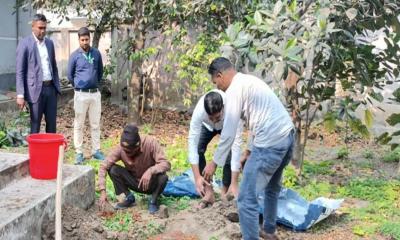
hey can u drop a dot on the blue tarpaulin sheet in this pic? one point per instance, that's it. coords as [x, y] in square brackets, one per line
[294, 211]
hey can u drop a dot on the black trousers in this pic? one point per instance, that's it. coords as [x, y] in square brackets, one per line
[47, 105]
[205, 138]
[123, 180]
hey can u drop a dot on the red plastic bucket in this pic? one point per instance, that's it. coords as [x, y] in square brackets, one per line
[43, 154]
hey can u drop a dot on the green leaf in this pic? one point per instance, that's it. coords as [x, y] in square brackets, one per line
[278, 7]
[396, 95]
[293, 6]
[377, 96]
[393, 119]
[213, 7]
[351, 13]
[258, 18]
[369, 118]
[357, 126]
[384, 138]
[291, 43]
[232, 31]
[397, 133]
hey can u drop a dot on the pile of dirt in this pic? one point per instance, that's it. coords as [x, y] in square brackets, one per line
[219, 220]
[77, 224]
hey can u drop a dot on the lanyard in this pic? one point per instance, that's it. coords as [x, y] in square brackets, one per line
[88, 57]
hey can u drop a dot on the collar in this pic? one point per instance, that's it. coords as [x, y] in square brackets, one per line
[37, 40]
[82, 51]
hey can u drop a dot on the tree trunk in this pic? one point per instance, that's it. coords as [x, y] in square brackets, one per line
[96, 37]
[292, 100]
[100, 28]
[298, 149]
[134, 83]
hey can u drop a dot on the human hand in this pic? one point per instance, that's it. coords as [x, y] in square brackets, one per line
[145, 180]
[20, 103]
[209, 171]
[103, 199]
[200, 183]
[233, 190]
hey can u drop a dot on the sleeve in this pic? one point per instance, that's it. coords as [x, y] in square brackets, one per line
[194, 132]
[110, 160]
[20, 70]
[100, 67]
[54, 65]
[71, 69]
[162, 164]
[231, 121]
[236, 148]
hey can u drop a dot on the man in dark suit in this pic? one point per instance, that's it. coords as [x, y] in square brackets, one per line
[37, 79]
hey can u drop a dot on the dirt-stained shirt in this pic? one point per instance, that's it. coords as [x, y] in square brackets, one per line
[151, 156]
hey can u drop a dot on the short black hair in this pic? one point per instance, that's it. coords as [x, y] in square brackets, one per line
[219, 64]
[213, 103]
[83, 31]
[39, 17]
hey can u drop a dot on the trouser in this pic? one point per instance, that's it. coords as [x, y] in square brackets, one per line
[263, 172]
[205, 138]
[124, 181]
[47, 105]
[87, 102]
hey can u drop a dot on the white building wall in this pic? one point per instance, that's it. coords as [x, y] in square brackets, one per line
[13, 27]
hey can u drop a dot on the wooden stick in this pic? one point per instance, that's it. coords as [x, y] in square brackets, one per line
[59, 193]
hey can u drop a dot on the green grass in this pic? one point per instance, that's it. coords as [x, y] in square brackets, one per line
[181, 203]
[382, 210]
[343, 153]
[392, 156]
[149, 230]
[320, 168]
[177, 154]
[368, 154]
[391, 229]
[121, 222]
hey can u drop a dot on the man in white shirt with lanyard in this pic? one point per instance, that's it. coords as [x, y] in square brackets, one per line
[270, 145]
[207, 121]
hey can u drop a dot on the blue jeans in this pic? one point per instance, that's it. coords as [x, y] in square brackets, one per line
[263, 171]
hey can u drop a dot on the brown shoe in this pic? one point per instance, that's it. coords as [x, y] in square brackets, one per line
[268, 236]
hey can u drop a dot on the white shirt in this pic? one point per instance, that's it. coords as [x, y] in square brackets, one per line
[44, 58]
[199, 118]
[248, 97]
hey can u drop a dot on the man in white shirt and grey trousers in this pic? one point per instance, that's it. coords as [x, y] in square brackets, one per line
[207, 121]
[270, 144]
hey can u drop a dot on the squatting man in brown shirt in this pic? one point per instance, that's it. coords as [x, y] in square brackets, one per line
[144, 170]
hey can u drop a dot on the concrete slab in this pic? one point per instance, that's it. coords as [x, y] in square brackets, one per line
[13, 166]
[29, 204]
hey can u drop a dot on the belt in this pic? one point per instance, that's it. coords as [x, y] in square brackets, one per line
[47, 83]
[89, 90]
